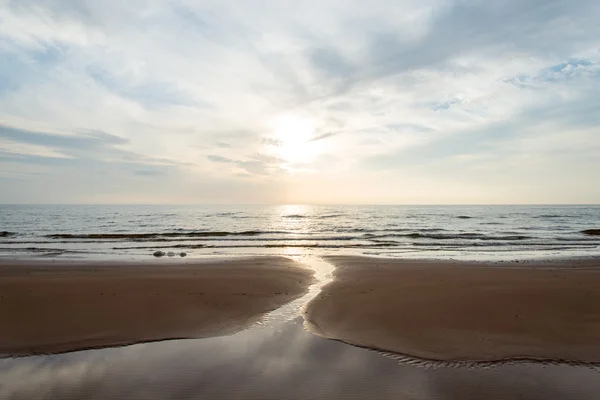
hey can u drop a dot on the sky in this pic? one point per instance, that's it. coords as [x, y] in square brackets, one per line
[300, 102]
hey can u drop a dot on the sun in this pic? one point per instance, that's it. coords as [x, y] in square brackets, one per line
[293, 135]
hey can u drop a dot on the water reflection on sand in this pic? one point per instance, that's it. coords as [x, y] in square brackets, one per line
[269, 363]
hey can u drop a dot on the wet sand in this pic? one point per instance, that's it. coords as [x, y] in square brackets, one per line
[49, 307]
[451, 310]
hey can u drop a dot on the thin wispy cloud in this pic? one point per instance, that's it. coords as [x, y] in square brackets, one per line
[222, 101]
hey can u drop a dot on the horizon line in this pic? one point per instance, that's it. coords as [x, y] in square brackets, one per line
[300, 204]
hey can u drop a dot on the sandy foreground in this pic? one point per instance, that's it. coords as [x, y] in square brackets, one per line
[447, 310]
[50, 307]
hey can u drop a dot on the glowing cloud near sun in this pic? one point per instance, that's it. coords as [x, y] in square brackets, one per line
[294, 136]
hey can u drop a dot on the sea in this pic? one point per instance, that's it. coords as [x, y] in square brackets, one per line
[141, 231]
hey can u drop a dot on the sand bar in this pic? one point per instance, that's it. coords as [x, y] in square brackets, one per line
[48, 307]
[451, 310]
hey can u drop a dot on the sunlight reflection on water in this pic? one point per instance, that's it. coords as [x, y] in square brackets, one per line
[323, 275]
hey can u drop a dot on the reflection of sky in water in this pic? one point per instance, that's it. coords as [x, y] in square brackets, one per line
[323, 275]
[267, 363]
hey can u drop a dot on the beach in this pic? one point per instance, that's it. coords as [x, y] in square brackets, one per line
[56, 306]
[439, 310]
[463, 311]
[538, 318]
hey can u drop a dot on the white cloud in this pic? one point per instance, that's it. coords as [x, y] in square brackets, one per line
[15, 147]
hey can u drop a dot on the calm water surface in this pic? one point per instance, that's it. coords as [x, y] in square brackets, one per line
[397, 231]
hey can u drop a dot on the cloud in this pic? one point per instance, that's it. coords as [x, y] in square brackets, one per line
[219, 159]
[39, 162]
[256, 165]
[271, 142]
[78, 147]
[446, 105]
[117, 86]
[153, 95]
[324, 136]
[147, 172]
[9, 147]
[85, 139]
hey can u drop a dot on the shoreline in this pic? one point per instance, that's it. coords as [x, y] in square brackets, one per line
[54, 306]
[463, 311]
[207, 253]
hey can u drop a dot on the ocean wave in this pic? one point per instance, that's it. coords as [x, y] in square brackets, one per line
[263, 246]
[326, 216]
[5, 234]
[370, 236]
[183, 238]
[387, 241]
[136, 236]
[515, 245]
[591, 232]
[445, 236]
[295, 216]
[38, 250]
[399, 232]
[22, 242]
[464, 217]
[288, 238]
[224, 214]
[383, 244]
[176, 246]
[263, 239]
[394, 230]
[449, 236]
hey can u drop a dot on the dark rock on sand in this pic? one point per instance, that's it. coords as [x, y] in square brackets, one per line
[158, 253]
[182, 254]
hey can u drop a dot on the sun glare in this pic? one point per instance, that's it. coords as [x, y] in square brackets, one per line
[294, 136]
